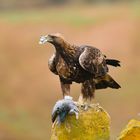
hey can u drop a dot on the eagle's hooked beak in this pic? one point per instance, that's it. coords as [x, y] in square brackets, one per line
[44, 39]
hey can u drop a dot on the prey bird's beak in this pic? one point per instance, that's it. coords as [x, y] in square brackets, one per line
[43, 39]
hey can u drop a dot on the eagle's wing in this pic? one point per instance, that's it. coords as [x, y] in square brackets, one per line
[52, 64]
[93, 61]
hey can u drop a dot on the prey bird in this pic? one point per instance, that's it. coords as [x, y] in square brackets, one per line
[62, 108]
[81, 64]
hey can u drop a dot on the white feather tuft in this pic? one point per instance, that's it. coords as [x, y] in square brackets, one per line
[68, 98]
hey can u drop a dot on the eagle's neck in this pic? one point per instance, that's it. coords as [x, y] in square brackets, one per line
[66, 50]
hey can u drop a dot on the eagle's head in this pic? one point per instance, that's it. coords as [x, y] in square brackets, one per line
[60, 44]
[55, 39]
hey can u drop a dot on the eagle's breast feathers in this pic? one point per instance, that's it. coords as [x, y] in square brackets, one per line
[63, 69]
[60, 67]
[52, 64]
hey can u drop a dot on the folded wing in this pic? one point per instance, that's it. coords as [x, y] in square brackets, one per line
[93, 61]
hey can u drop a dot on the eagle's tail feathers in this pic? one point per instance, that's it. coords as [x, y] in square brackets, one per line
[113, 62]
[112, 83]
[106, 81]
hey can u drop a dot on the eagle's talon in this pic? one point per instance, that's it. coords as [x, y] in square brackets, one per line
[77, 115]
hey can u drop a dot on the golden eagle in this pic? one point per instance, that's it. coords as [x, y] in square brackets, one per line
[81, 64]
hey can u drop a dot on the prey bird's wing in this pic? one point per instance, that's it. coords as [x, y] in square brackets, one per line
[54, 115]
[55, 110]
[91, 60]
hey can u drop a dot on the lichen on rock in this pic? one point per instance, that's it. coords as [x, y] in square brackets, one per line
[131, 132]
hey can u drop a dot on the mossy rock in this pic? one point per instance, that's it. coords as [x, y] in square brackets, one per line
[93, 124]
[131, 132]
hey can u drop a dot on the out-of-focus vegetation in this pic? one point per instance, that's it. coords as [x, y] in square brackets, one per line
[28, 90]
[6, 4]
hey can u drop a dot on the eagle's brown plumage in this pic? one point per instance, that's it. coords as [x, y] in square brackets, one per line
[80, 64]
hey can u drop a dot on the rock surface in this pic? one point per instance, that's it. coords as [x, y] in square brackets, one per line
[131, 132]
[93, 124]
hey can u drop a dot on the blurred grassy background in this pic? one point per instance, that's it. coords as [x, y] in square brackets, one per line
[28, 90]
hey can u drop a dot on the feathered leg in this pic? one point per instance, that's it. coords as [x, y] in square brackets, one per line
[65, 89]
[87, 92]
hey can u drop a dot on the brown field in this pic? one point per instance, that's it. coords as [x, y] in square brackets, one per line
[28, 90]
